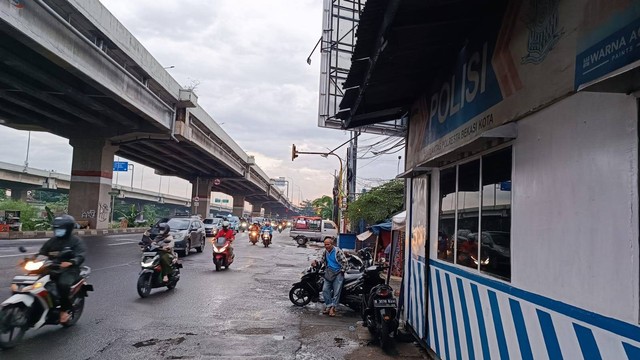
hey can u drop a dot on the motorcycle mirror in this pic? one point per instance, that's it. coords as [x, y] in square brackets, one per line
[22, 249]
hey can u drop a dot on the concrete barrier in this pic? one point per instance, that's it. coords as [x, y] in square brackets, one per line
[88, 232]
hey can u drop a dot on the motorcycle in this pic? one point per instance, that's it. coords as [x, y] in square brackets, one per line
[151, 273]
[361, 260]
[266, 238]
[243, 226]
[221, 253]
[379, 313]
[309, 287]
[35, 301]
[253, 237]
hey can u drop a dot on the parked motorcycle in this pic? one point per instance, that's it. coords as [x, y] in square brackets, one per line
[309, 287]
[35, 301]
[151, 273]
[379, 313]
[360, 261]
[266, 238]
[253, 237]
[222, 255]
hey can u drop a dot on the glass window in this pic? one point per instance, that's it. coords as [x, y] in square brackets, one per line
[496, 214]
[468, 213]
[328, 225]
[446, 218]
[461, 216]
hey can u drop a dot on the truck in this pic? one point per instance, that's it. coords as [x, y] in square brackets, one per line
[306, 229]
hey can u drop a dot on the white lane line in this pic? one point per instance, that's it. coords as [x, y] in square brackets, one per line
[123, 243]
[5, 256]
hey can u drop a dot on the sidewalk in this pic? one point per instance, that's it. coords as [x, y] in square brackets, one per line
[86, 232]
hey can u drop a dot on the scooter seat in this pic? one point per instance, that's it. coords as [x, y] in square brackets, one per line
[351, 277]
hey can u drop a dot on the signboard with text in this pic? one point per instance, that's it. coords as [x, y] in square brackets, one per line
[120, 166]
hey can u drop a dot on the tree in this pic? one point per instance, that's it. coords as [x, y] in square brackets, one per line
[323, 206]
[28, 213]
[306, 208]
[378, 204]
[131, 215]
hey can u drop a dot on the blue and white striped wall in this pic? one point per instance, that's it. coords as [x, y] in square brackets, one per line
[417, 301]
[474, 317]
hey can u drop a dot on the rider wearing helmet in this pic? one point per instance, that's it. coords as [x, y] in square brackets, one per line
[267, 226]
[226, 233]
[165, 241]
[63, 239]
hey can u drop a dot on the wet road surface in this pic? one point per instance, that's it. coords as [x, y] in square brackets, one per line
[243, 312]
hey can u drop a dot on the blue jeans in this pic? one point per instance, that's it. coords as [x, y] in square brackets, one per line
[331, 291]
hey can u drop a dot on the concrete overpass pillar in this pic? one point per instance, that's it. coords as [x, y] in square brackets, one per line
[201, 188]
[91, 174]
[238, 205]
[19, 194]
[256, 209]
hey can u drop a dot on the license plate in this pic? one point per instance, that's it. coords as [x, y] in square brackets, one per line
[384, 302]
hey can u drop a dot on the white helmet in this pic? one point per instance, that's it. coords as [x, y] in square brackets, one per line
[225, 224]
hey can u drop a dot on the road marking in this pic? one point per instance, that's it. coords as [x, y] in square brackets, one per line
[123, 243]
[5, 256]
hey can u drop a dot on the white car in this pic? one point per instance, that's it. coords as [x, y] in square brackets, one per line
[211, 226]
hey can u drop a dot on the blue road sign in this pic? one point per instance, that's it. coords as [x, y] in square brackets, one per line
[120, 166]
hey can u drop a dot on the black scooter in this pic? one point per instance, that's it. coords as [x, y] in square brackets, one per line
[309, 287]
[379, 312]
[151, 272]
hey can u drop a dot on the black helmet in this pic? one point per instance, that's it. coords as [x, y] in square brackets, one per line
[164, 228]
[66, 222]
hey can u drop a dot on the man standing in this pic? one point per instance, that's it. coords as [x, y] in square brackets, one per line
[336, 265]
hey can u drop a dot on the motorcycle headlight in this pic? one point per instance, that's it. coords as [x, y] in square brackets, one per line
[33, 265]
[220, 250]
[147, 262]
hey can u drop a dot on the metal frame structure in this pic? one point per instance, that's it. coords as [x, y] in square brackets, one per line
[339, 24]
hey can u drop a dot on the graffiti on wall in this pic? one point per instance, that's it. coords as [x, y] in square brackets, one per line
[88, 214]
[103, 212]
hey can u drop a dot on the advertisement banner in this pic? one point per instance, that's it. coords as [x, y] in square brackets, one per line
[532, 54]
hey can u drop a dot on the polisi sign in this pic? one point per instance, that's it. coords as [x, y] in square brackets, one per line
[470, 89]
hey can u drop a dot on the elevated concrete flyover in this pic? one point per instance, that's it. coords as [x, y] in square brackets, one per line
[69, 67]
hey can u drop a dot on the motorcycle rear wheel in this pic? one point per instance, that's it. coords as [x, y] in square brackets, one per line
[299, 296]
[384, 335]
[78, 308]
[13, 325]
[144, 285]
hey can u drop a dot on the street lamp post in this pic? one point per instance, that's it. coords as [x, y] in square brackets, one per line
[132, 168]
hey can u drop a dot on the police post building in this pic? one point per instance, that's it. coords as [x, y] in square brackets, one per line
[521, 166]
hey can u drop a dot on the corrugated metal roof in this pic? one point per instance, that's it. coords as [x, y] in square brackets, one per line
[422, 39]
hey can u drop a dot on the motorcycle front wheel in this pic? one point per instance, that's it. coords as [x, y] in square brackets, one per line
[299, 296]
[144, 285]
[218, 264]
[78, 308]
[13, 324]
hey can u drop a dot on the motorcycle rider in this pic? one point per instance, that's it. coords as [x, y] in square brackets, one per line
[63, 239]
[267, 226]
[165, 241]
[228, 234]
[254, 227]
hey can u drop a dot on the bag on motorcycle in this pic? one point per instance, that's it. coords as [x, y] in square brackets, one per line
[330, 274]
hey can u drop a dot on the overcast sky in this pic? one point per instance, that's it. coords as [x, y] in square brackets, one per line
[249, 57]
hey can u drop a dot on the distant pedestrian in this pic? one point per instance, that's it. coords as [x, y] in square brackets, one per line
[336, 265]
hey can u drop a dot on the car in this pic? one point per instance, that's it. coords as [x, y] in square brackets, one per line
[211, 226]
[188, 233]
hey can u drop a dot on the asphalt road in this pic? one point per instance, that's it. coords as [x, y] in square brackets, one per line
[243, 312]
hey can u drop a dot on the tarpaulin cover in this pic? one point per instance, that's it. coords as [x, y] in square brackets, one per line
[365, 235]
[399, 221]
[381, 227]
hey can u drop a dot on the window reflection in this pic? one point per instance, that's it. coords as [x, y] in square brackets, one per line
[496, 214]
[468, 212]
[461, 215]
[446, 218]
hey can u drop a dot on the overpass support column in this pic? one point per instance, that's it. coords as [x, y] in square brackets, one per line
[201, 188]
[256, 209]
[91, 174]
[238, 205]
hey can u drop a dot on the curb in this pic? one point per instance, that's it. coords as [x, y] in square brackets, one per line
[88, 232]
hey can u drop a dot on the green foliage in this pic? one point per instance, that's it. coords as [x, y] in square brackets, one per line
[378, 204]
[28, 214]
[130, 214]
[306, 208]
[46, 222]
[323, 206]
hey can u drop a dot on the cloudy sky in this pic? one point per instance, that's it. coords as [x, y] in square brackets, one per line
[249, 57]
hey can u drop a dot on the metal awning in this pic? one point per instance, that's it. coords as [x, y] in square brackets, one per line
[401, 46]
